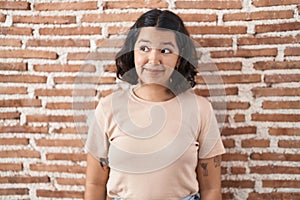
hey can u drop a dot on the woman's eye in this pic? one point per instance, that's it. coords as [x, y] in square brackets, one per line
[166, 51]
[144, 48]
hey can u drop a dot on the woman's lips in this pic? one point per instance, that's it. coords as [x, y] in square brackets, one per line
[153, 71]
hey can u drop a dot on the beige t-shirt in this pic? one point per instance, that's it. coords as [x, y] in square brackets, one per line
[153, 147]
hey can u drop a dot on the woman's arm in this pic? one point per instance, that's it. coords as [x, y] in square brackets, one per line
[209, 178]
[96, 179]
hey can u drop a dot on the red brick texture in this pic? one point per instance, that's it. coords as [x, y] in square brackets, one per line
[57, 59]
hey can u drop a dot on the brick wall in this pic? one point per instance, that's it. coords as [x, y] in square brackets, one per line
[52, 55]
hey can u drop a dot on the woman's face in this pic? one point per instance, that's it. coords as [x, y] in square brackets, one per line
[155, 55]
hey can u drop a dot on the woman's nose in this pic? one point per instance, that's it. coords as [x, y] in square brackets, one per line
[154, 56]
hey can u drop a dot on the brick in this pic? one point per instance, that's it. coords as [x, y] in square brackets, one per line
[117, 30]
[44, 19]
[249, 143]
[281, 183]
[23, 79]
[289, 143]
[84, 80]
[59, 194]
[10, 42]
[271, 65]
[209, 4]
[23, 129]
[198, 17]
[21, 103]
[11, 167]
[35, 54]
[54, 118]
[216, 92]
[222, 118]
[231, 105]
[281, 105]
[64, 68]
[289, 26]
[59, 142]
[87, 5]
[2, 18]
[70, 181]
[244, 53]
[214, 42]
[228, 79]
[263, 3]
[75, 157]
[265, 91]
[238, 170]
[110, 43]
[14, 191]
[14, 5]
[227, 196]
[238, 131]
[15, 31]
[13, 90]
[239, 118]
[92, 56]
[58, 168]
[71, 31]
[261, 15]
[19, 154]
[10, 115]
[284, 131]
[14, 141]
[245, 78]
[270, 169]
[65, 92]
[275, 117]
[292, 51]
[71, 105]
[237, 184]
[71, 130]
[257, 40]
[234, 157]
[273, 195]
[275, 156]
[104, 93]
[134, 4]
[229, 143]
[220, 66]
[58, 43]
[282, 78]
[13, 66]
[217, 29]
[25, 179]
[111, 68]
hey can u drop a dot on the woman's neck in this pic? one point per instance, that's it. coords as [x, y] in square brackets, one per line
[153, 92]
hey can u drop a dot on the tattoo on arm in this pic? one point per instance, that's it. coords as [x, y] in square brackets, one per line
[217, 161]
[104, 162]
[204, 167]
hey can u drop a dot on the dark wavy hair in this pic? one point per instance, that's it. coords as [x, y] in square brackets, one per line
[183, 77]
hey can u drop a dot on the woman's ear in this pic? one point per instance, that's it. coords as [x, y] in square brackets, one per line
[179, 59]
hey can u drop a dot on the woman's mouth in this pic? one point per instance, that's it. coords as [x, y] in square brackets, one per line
[153, 71]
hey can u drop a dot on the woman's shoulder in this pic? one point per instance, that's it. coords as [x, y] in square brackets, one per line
[201, 101]
[113, 98]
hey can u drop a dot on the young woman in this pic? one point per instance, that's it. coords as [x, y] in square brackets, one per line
[156, 140]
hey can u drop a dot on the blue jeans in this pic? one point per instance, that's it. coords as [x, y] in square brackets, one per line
[192, 197]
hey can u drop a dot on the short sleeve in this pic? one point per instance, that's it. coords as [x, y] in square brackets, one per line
[97, 141]
[210, 142]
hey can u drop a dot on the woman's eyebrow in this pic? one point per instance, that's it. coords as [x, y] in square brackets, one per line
[168, 43]
[143, 40]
